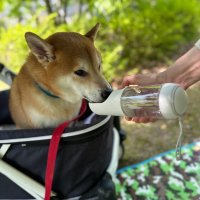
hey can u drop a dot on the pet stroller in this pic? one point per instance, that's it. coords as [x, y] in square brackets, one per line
[85, 165]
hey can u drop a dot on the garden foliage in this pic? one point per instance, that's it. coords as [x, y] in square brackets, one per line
[134, 34]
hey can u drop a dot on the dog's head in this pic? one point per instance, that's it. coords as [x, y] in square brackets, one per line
[69, 65]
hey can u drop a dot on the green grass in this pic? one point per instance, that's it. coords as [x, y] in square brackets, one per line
[146, 140]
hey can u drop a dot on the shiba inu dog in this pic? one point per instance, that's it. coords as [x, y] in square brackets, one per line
[58, 73]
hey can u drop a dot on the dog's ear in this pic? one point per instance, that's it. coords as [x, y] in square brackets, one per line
[40, 48]
[93, 32]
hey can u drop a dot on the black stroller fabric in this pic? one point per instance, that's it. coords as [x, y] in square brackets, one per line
[5, 117]
[82, 159]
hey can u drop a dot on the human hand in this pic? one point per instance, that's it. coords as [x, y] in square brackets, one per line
[140, 79]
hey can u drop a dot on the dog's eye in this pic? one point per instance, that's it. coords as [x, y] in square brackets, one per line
[81, 72]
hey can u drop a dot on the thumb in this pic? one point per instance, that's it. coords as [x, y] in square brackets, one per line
[139, 79]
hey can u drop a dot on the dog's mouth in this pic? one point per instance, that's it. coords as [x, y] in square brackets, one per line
[89, 100]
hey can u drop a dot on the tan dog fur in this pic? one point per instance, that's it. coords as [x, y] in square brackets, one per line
[69, 66]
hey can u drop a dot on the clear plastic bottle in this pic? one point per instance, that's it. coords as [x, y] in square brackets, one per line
[167, 101]
[141, 101]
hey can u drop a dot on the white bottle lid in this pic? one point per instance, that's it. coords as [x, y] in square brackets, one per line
[172, 101]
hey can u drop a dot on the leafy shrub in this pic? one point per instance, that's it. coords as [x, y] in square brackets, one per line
[133, 35]
[140, 32]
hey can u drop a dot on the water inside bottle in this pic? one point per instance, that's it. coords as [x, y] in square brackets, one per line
[139, 101]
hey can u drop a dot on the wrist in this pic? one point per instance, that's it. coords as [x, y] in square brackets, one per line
[161, 78]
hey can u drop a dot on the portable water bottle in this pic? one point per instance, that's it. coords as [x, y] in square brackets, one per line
[167, 101]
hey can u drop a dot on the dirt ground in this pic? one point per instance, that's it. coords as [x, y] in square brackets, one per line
[146, 140]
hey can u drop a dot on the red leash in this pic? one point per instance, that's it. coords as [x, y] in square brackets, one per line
[53, 149]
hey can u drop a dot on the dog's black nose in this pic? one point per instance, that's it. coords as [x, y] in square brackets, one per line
[105, 93]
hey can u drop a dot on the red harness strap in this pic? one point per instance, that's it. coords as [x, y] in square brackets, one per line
[53, 149]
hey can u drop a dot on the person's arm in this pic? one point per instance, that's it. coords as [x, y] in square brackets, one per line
[185, 71]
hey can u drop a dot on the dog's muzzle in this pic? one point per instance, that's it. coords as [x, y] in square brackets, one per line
[105, 93]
